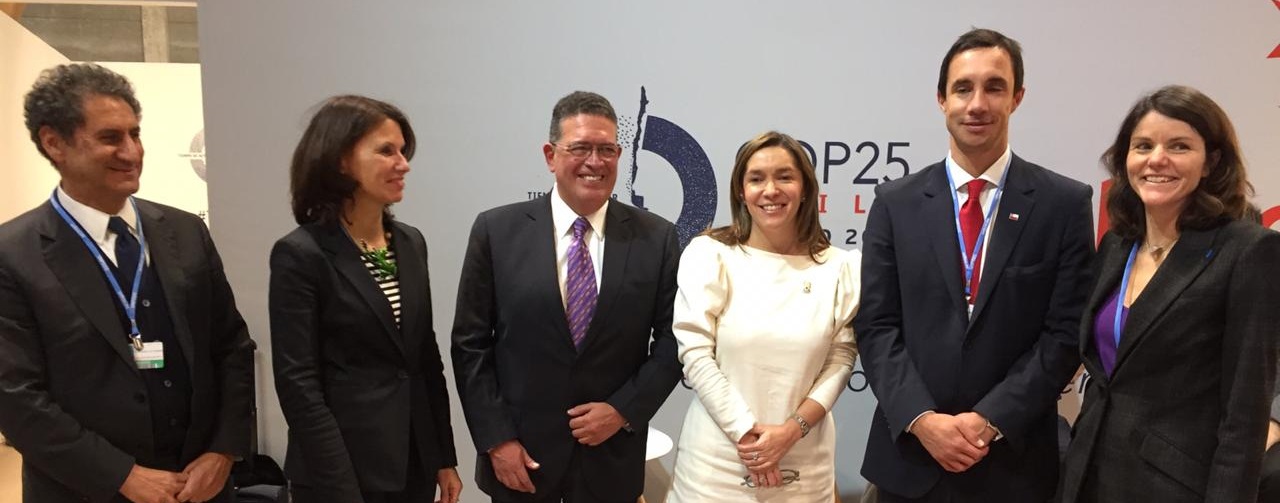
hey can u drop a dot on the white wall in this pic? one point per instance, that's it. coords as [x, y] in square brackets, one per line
[172, 119]
[478, 80]
[28, 177]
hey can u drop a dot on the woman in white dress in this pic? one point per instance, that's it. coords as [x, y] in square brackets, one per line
[762, 318]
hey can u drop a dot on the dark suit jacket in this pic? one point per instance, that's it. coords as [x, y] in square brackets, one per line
[921, 352]
[517, 369]
[71, 400]
[1183, 416]
[351, 384]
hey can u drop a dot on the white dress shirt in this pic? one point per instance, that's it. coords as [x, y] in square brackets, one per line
[94, 223]
[961, 179]
[562, 218]
[992, 175]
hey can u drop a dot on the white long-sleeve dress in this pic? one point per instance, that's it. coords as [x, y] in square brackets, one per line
[758, 333]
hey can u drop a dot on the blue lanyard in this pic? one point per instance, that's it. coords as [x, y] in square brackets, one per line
[970, 256]
[1124, 288]
[131, 304]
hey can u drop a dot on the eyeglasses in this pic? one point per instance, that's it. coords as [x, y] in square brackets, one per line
[788, 476]
[579, 151]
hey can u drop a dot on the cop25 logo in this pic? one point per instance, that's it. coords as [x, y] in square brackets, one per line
[697, 178]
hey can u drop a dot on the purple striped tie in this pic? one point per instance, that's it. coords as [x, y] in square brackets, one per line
[580, 286]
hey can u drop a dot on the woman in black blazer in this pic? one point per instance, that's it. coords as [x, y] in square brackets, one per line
[357, 367]
[1176, 410]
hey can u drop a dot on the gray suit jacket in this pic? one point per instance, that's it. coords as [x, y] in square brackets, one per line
[1183, 416]
[71, 400]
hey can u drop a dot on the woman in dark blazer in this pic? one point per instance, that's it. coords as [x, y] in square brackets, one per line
[1176, 411]
[357, 368]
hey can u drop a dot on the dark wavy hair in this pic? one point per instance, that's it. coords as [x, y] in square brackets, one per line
[809, 229]
[317, 186]
[1222, 195]
[982, 38]
[57, 98]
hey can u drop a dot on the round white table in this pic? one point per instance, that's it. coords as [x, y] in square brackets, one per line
[659, 444]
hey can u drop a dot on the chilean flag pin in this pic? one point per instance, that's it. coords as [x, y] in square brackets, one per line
[1013, 217]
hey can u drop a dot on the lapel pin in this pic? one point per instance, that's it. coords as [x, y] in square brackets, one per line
[807, 287]
[1013, 217]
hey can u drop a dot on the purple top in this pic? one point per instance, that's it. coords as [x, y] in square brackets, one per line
[1104, 331]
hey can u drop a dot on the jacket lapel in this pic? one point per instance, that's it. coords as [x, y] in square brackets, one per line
[1113, 255]
[73, 264]
[938, 212]
[346, 258]
[415, 301]
[1014, 200]
[540, 236]
[162, 247]
[617, 248]
[1185, 262]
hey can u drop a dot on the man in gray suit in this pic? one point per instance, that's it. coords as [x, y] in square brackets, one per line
[126, 373]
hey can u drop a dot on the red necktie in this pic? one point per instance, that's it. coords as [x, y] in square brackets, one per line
[970, 225]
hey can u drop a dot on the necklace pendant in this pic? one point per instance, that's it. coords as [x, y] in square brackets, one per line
[808, 287]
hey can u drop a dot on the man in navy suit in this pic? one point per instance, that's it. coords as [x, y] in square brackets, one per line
[558, 377]
[974, 277]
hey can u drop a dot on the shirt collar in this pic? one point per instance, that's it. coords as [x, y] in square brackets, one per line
[992, 175]
[562, 216]
[93, 220]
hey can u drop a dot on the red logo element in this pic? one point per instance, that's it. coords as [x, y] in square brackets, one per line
[1275, 53]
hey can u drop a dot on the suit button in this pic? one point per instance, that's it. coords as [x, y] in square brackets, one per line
[402, 374]
[139, 397]
[146, 303]
[173, 422]
[168, 383]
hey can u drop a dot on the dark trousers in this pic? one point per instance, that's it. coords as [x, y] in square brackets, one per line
[414, 492]
[417, 490]
[1270, 488]
[573, 489]
[419, 487]
[942, 492]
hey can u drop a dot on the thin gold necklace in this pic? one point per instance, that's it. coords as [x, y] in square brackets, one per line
[1158, 251]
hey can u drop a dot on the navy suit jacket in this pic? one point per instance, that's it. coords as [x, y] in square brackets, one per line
[1008, 362]
[517, 369]
[71, 399]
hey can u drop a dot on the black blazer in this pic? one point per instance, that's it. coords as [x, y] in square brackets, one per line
[518, 372]
[921, 352]
[353, 386]
[1183, 416]
[71, 400]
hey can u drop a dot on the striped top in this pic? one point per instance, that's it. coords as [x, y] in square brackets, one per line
[390, 285]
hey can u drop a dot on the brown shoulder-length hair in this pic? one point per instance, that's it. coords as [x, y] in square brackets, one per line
[808, 228]
[1224, 192]
[317, 186]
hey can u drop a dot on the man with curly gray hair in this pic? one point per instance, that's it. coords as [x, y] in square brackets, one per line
[125, 369]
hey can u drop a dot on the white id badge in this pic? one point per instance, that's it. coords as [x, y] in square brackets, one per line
[150, 357]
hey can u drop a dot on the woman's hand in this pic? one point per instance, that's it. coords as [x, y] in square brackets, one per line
[763, 448]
